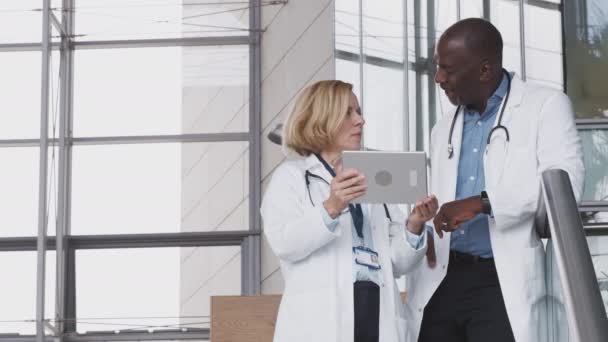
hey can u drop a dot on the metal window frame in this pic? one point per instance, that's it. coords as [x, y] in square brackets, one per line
[66, 244]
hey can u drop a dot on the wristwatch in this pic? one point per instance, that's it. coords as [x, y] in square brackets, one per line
[486, 206]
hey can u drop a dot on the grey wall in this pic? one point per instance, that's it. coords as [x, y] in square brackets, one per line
[297, 49]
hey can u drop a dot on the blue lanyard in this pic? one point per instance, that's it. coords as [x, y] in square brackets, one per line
[355, 209]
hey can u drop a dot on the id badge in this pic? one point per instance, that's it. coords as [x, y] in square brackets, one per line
[366, 257]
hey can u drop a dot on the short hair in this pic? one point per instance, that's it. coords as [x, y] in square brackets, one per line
[316, 117]
[480, 37]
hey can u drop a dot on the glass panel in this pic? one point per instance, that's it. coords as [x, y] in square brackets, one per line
[595, 148]
[471, 8]
[20, 94]
[54, 95]
[422, 10]
[383, 108]
[52, 188]
[594, 217]
[544, 61]
[505, 16]
[151, 91]
[347, 26]
[349, 71]
[19, 184]
[19, 179]
[151, 188]
[20, 21]
[383, 74]
[423, 120]
[383, 30]
[558, 329]
[18, 291]
[446, 15]
[152, 288]
[586, 31]
[137, 19]
[598, 246]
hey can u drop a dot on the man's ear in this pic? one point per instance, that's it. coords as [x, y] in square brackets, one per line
[486, 70]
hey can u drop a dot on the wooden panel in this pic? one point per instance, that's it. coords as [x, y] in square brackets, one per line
[243, 318]
[246, 318]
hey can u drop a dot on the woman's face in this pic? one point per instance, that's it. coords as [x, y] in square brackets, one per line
[351, 129]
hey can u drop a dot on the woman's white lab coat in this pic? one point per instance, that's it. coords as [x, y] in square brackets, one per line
[316, 264]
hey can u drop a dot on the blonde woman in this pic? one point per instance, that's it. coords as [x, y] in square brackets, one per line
[339, 260]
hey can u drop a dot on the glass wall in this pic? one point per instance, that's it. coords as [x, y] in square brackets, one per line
[586, 49]
[151, 201]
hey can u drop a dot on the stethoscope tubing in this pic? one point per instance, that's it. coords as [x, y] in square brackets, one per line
[498, 126]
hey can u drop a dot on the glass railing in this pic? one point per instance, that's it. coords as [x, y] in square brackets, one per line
[576, 309]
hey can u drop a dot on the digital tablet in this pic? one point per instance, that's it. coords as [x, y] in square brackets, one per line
[392, 177]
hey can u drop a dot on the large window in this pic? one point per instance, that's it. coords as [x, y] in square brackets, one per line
[586, 49]
[149, 201]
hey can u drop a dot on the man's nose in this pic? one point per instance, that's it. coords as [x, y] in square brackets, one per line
[439, 76]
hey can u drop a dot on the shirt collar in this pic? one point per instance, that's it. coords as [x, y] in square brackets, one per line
[496, 98]
[501, 91]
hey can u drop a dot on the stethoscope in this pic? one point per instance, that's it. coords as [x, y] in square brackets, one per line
[499, 125]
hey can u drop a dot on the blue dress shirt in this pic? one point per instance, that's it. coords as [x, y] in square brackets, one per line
[473, 236]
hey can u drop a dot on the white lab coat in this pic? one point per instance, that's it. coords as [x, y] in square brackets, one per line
[542, 136]
[316, 264]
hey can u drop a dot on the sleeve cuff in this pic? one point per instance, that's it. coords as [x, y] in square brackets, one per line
[415, 241]
[330, 223]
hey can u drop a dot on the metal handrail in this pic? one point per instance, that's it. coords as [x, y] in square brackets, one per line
[583, 303]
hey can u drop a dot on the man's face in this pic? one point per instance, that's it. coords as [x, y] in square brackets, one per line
[458, 71]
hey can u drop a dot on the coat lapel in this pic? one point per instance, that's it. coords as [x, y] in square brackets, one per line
[450, 165]
[496, 152]
[314, 166]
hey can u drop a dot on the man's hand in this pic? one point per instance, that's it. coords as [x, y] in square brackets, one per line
[453, 214]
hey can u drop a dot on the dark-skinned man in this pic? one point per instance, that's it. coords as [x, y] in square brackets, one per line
[485, 278]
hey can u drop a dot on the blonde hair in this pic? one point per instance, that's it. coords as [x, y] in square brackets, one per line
[316, 117]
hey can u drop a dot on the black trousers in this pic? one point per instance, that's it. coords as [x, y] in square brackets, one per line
[468, 305]
[367, 311]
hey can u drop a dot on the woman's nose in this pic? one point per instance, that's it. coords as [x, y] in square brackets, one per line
[359, 120]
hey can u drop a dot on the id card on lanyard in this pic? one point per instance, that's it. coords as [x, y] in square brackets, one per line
[366, 257]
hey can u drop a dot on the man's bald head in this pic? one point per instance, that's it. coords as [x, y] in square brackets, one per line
[480, 37]
[469, 62]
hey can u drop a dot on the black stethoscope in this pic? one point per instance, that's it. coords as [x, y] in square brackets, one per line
[499, 125]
